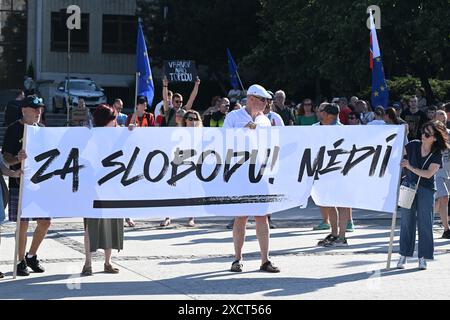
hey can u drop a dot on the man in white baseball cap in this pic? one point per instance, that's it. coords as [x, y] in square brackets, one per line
[251, 116]
[258, 91]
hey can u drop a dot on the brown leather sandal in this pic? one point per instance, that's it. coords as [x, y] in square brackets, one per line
[110, 269]
[87, 271]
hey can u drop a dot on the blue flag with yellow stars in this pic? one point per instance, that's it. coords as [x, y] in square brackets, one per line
[145, 82]
[380, 90]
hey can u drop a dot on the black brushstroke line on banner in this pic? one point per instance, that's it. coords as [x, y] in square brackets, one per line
[205, 201]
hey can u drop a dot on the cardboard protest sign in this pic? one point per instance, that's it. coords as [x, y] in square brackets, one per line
[180, 70]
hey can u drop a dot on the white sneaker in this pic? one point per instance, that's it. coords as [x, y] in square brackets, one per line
[401, 263]
[422, 264]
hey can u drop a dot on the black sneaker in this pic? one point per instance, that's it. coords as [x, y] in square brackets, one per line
[327, 241]
[271, 224]
[446, 234]
[34, 264]
[230, 225]
[22, 269]
[1, 275]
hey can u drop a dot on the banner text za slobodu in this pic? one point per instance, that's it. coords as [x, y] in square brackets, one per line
[193, 172]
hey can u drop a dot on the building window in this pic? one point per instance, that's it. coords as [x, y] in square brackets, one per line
[119, 34]
[79, 39]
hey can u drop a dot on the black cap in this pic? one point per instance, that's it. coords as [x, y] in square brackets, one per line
[331, 108]
[32, 102]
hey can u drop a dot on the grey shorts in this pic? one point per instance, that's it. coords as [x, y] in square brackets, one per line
[442, 184]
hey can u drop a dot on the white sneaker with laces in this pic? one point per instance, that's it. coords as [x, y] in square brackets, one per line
[422, 264]
[401, 263]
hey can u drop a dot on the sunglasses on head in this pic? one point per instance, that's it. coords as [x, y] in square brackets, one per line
[37, 100]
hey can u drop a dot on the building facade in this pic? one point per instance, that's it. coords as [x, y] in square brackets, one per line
[103, 50]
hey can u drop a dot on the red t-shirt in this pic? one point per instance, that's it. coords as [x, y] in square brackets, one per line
[147, 120]
[343, 115]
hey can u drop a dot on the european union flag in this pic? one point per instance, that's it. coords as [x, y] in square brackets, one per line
[380, 90]
[145, 82]
[232, 69]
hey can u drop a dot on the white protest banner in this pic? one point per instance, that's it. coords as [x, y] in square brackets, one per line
[183, 172]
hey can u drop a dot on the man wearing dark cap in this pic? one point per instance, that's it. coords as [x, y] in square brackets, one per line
[328, 114]
[13, 154]
[338, 218]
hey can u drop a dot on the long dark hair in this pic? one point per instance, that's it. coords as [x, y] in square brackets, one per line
[392, 115]
[440, 133]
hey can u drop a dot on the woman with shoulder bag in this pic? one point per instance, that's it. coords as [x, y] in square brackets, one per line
[422, 160]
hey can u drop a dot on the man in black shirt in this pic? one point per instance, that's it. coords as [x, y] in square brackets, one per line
[284, 111]
[415, 119]
[13, 154]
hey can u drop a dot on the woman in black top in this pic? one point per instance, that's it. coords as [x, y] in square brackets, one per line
[423, 159]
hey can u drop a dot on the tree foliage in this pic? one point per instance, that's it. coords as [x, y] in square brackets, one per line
[306, 47]
[326, 43]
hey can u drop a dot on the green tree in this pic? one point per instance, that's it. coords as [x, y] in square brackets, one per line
[325, 45]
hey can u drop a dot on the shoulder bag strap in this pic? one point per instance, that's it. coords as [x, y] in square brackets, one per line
[417, 185]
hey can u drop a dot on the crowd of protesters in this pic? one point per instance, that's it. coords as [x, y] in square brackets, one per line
[426, 156]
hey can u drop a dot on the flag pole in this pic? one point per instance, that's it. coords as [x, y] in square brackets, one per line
[136, 80]
[19, 206]
[138, 74]
[394, 216]
[239, 78]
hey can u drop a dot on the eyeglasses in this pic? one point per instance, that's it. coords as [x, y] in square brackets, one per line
[261, 99]
[192, 119]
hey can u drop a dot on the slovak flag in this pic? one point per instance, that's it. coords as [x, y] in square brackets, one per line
[380, 90]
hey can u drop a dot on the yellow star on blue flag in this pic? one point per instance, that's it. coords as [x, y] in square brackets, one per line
[145, 82]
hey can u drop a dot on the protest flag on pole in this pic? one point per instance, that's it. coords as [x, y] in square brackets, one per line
[144, 79]
[380, 90]
[234, 75]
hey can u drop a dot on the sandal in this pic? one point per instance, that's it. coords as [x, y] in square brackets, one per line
[236, 266]
[87, 271]
[191, 222]
[165, 223]
[269, 267]
[110, 269]
[130, 222]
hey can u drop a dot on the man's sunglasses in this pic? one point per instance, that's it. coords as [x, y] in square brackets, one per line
[261, 99]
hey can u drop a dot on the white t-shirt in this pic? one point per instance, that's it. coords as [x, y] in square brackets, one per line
[240, 118]
[275, 119]
[159, 107]
[376, 123]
